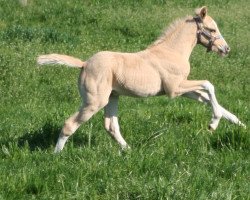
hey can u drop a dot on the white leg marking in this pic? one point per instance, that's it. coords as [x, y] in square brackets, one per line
[111, 122]
[70, 126]
[225, 113]
[215, 105]
[204, 97]
[112, 126]
[231, 117]
[60, 143]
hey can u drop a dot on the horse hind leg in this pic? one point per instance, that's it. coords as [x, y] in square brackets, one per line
[74, 122]
[70, 126]
[111, 121]
[95, 92]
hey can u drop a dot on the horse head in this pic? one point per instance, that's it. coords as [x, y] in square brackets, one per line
[208, 33]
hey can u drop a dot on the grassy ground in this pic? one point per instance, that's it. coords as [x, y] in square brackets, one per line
[173, 155]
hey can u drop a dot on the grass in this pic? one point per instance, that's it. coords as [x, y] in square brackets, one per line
[173, 154]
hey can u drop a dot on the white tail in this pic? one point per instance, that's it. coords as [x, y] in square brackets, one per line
[61, 60]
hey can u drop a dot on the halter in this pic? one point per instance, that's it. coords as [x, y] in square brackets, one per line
[206, 33]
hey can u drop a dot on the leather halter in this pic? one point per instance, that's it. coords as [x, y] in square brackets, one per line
[206, 33]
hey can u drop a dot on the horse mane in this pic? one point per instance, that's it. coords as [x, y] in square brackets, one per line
[171, 30]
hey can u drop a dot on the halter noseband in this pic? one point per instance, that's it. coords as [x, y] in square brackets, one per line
[207, 34]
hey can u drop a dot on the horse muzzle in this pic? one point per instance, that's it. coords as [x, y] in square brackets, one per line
[223, 50]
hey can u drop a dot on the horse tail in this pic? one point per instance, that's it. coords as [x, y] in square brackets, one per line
[61, 60]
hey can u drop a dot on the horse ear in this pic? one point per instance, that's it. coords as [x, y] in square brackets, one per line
[201, 12]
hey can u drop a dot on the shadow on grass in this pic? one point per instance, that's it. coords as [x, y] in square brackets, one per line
[46, 137]
[43, 138]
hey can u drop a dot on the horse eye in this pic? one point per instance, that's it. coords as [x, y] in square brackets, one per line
[212, 30]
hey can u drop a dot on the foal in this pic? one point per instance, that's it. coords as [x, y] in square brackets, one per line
[161, 69]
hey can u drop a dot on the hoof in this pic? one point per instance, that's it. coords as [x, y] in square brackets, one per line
[211, 127]
[125, 151]
[242, 125]
[125, 148]
[56, 151]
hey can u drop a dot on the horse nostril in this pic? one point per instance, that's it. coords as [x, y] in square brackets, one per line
[227, 49]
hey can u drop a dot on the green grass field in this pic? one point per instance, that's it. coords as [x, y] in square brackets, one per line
[173, 154]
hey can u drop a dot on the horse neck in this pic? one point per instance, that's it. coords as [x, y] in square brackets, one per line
[181, 39]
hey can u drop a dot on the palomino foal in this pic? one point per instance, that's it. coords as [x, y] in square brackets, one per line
[160, 69]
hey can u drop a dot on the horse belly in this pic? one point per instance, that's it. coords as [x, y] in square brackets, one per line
[138, 84]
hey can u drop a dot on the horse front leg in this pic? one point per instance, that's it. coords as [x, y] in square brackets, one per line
[191, 86]
[203, 97]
